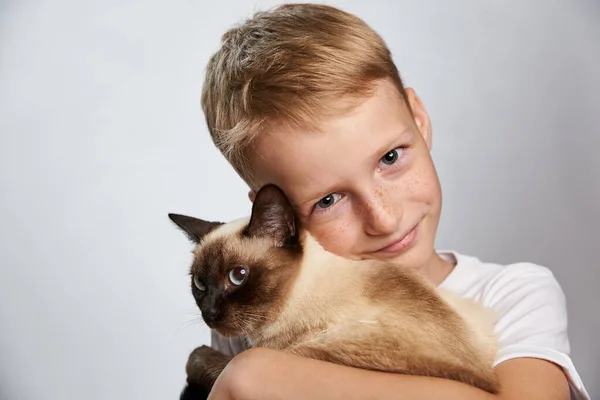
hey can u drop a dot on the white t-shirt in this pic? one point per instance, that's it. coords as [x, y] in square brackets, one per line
[531, 308]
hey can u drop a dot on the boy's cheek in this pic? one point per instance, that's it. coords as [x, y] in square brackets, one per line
[423, 185]
[337, 236]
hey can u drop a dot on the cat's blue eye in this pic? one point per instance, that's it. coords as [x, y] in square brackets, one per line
[237, 275]
[328, 200]
[199, 284]
[392, 157]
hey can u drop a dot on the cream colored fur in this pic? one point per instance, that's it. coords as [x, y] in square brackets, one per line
[331, 305]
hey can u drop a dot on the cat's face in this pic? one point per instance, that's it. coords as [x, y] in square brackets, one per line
[242, 270]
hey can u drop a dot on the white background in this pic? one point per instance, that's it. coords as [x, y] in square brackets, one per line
[101, 135]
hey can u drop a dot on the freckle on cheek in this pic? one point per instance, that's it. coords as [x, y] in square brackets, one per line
[413, 183]
[345, 227]
[386, 198]
[334, 239]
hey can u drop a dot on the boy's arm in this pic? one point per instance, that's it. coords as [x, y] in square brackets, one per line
[263, 374]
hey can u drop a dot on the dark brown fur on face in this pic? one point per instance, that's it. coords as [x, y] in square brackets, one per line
[296, 297]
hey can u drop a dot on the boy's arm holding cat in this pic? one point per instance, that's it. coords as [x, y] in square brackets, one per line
[268, 374]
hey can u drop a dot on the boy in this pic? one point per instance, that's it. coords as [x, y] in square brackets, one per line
[308, 97]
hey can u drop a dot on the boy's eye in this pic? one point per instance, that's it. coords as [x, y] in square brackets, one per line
[199, 284]
[328, 200]
[391, 157]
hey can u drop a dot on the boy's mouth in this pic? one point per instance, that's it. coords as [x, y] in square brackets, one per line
[400, 245]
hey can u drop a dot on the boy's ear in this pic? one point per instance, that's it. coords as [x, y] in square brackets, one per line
[420, 116]
[251, 195]
[272, 216]
[194, 228]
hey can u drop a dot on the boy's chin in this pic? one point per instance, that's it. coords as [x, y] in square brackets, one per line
[417, 257]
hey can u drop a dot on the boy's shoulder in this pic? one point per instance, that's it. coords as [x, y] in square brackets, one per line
[482, 280]
[485, 281]
[530, 306]
[526, 297]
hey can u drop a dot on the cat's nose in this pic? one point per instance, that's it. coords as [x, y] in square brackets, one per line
[211, 309]
[211, 313]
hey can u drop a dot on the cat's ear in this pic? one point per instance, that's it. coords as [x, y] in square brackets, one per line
[272, 216]
[194, 228]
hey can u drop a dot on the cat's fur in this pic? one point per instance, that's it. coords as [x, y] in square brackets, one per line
[299, 298]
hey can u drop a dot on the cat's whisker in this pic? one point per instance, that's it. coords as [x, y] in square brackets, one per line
[197, 321]
[193, 313]
[250, 317]
[186, 325]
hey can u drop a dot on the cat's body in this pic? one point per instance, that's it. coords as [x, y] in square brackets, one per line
[299, 298]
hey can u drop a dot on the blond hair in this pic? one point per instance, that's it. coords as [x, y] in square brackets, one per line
[291, 66]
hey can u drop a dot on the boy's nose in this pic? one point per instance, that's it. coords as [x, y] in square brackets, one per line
[380, 219]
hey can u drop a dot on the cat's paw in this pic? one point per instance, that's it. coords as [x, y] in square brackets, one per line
[193, 391]
[203, 357]
[204, 366]
[203, 352]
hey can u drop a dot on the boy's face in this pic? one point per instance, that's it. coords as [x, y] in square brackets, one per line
[364, 186]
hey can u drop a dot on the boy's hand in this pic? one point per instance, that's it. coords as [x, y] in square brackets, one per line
[238, 378]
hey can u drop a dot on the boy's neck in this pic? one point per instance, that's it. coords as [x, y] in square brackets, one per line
[437, 269]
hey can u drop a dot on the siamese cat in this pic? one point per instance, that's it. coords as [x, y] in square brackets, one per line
[267, 279]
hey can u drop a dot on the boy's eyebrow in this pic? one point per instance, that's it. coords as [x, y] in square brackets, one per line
[405, 135]
[395, 141]
[315, 198]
